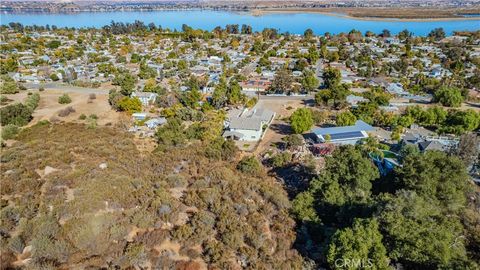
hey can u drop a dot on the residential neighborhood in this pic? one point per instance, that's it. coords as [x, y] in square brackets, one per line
[134, 146]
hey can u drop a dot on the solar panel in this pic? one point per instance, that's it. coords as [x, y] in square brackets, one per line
[346, 135]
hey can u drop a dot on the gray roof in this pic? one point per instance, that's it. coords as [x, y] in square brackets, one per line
[245, 123]
[264, 114]
[359, 126]
[431, 145]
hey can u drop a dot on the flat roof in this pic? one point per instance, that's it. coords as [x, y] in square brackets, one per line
[332, 131]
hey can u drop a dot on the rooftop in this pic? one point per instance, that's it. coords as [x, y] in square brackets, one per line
[334, 131]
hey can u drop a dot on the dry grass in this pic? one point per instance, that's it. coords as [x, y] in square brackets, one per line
[80, 214]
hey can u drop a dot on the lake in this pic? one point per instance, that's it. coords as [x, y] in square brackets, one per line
[295, 23]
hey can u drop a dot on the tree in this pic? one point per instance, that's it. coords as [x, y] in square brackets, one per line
[386, 33]
[8, 65]
[234, 93]
[301, 120]
[150, 85]
[449, 96]
[282, 82]
[126, 81]
[172, 133]
[340, 189]
[293, 140]
[53, 44]
[459, 122]
[219, 96]
[309, 80]
[191, 98]
[418, 234]
[130, 105]
[308, 33]
[435, 175]
[54, 77]
[437, 34]
[246, 29]
[16, 114]
[468, 149]
[146, 72]
[361, 245]
[346, 119]
[8, 86]
[331, 77]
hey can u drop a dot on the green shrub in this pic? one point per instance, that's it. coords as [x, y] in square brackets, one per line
[54, 77]
[91, 123]
[9, 132]
[15, 114]
[249, 165]
[8, 86]
[32, 101]
[130, 105]
[82, 117]
[4, 100]
[281, 159]
[64, 99]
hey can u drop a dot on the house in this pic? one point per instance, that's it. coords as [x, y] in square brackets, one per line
[439, 72]
[355, 100]
[426, 142]
[249, 126]
[244, 129]
[396, 89]
[145, 97]
[139, 116]
[343, 135]
[254, 85]
[155, 122]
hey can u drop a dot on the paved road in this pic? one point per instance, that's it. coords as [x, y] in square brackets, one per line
[67, 88]
[281, 98]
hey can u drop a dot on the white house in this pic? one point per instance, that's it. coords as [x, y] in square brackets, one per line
[145, 97]
[249, 126]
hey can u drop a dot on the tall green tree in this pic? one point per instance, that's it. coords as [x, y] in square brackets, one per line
[126, 81]
[437, 176]
[282, 82]
[346, 119]
[234, 93]
[331, 77]
[418, 234]
[449, 96]
[358, 247]
[301, 120]
[219, 96]
[309, 80]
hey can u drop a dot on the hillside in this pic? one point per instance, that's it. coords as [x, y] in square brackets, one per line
[74, 197]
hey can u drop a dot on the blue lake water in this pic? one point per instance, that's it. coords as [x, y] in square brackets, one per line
[295, 23]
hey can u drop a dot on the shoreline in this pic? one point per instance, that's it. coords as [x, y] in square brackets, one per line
[345, 14]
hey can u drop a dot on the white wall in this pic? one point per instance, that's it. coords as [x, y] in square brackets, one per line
[249, 135]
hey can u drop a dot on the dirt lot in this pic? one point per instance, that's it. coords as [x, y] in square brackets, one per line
[49, 107]
[279, 127]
